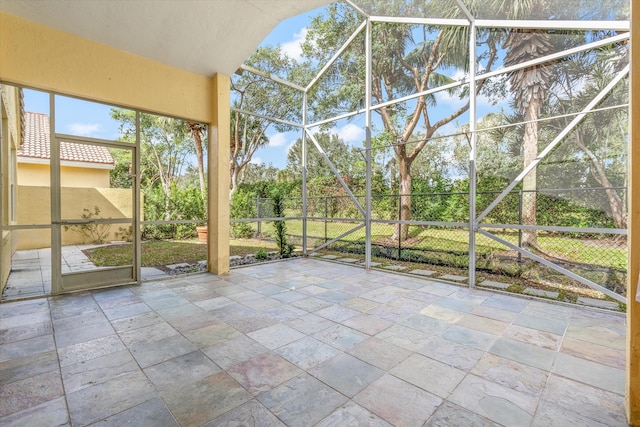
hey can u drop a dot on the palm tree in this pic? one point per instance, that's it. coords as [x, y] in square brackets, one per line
[529, 88]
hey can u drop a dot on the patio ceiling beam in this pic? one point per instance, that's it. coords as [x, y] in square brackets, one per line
[555, 267]
[623, 73]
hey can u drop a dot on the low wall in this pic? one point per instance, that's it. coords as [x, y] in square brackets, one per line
[34, 207]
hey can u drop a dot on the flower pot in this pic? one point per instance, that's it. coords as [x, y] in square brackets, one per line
[202, 234]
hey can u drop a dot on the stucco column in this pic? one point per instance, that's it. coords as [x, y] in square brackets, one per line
[632, 394]
[218, 176]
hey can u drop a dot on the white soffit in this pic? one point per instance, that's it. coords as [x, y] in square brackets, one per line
[202, 36]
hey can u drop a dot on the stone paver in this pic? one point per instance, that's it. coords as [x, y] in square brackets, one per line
[454, 278]
[348, 260]
[592, 302]
[423, 272]
[542, 293]
[495, 285]
[393, 267]
[345, 347]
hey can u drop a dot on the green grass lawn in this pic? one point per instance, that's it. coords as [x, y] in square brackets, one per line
[457, 240]
[164, 252]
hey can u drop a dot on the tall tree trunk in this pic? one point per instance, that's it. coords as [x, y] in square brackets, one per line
[618, 211]
[196, 131]
[200, 157]
[233, 182]
[401, 231]
[529, 183]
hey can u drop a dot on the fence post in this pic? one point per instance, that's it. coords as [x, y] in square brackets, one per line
[326, 214]
[399, 226]
[520, 194]
[258, 215]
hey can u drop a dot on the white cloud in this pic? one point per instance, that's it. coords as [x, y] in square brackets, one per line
[293, 48]
[85, 129]
[277, 140]
[351, 133]
[256, 160]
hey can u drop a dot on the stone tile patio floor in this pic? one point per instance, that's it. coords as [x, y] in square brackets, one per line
[31, 270]
[305, 343]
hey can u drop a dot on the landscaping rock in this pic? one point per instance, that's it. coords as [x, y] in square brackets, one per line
[373, 263]
[330, 257]
[542, 293]
[395, 267]
[592, 302]
[454, 278]
[349, 260]
[178, 266]
[423, 272]
[495, 285]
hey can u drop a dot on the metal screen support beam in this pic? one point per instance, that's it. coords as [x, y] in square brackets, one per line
[335, 239]
[137, 210]
[472, 156]
[304, 176]
[54, 173]
[472, 149]
[555, 142]
[555, 267]
[336, 55]
[368, 153]
[555, 56]
[336, 173]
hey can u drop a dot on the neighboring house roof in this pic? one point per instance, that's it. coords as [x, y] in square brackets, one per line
[36, 145]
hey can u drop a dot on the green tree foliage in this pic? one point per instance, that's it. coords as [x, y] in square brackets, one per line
[258, 94]
[166, 145]
[407, 59]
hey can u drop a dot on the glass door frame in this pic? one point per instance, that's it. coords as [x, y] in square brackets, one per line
[104, 277]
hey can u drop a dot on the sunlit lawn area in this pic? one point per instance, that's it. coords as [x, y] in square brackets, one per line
[164, 252]
[457, 240]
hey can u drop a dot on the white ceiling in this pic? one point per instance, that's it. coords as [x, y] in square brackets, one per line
[202, 36]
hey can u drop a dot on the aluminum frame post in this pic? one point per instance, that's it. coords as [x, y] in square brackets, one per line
[368, 153]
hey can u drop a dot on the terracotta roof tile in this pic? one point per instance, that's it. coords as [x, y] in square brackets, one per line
[36, 144]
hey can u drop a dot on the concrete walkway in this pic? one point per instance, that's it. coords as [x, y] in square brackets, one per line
[308, 343]
[31, 270]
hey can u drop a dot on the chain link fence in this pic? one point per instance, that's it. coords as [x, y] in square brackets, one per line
[580, 230]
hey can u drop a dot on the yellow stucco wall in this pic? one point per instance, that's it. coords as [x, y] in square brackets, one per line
[34, 174]
[41, 57]
[34, 207]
